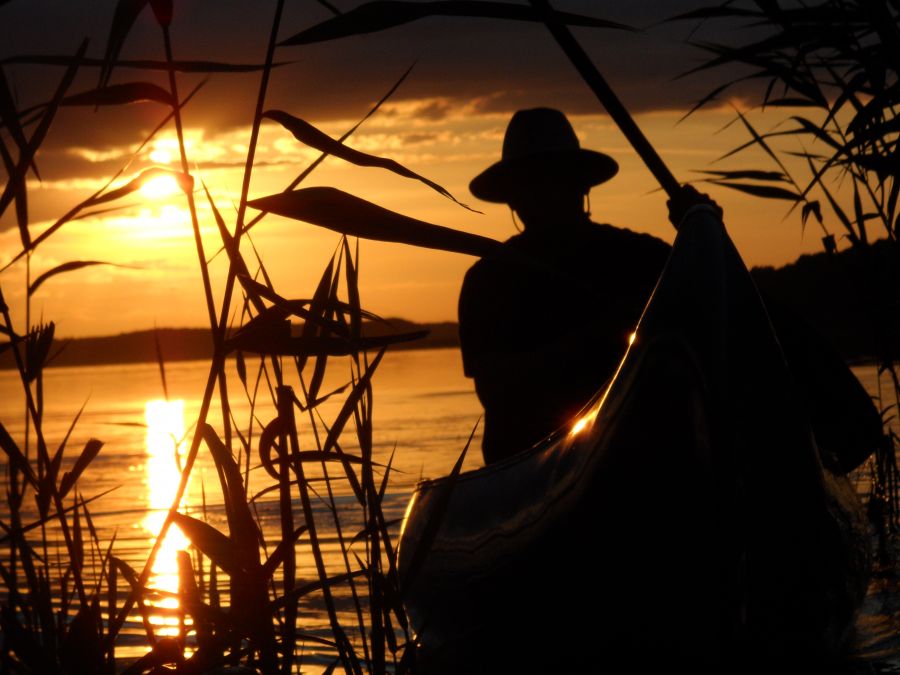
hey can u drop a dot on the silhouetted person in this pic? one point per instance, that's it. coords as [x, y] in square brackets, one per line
[539, 342]
[542, 331]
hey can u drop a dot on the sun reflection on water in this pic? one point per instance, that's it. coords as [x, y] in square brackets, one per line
[165, 431]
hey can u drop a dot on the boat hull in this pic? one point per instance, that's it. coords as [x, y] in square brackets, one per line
[683, 517]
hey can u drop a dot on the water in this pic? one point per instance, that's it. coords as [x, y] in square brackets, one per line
[424, 411]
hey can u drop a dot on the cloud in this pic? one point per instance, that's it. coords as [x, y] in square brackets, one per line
[419, 138]
[96, 154]
[458, 59]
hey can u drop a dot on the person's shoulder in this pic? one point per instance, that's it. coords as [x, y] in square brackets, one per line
[625, 236]
[498, 262]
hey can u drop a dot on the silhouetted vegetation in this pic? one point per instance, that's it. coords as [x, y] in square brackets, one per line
[832, 66]
[190, 344]
[239, 594]
[63, 609]
[823, 289]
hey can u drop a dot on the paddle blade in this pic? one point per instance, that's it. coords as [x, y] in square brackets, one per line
[336, 210]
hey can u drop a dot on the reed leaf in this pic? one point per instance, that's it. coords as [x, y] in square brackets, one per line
[751, 174]
[308, 170]
[350, 403]
[383, 14]
[212, 543]
[184, 181]
[767, 191]
[760, 140]
[16, 458]
[352, 278]
[234, 255]
[56, 462]
[270, 439]
[838, 211]
[269, 327]
[369, 531]
[813, 208]
[180, 66]
[790, 103]
[272, 488]
[341, 212]
[88, 454]
[45, 494]
[241, 366]
[9, 116]
[805, 126]
[21, 195]
[387, 472]
[281, 550]
[306, 133]
[721, 11]
[707, 98]
[267, 445]
[318, 306]
[313, 586]
[273, 338]
[288, 307]
[243, 529]
[76, 551]
[858, 212]
[162, 10]
[125, 14]
[37, 350]
[120, 94]
[66, 267]
[436, 518]
[26, 155]
[47, 518]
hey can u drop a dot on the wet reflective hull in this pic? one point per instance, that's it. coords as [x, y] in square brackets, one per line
[686, 511]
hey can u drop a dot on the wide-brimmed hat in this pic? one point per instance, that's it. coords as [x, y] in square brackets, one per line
[540, 144]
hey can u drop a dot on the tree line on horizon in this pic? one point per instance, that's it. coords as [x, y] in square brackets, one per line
[819, 287]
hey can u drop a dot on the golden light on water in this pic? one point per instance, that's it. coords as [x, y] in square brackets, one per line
[165, 431]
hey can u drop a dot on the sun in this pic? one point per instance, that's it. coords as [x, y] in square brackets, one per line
[161, 156]
[160, 187]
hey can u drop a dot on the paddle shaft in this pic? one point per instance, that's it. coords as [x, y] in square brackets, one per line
[608, 98]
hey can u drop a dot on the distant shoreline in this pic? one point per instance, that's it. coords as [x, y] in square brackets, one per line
[191, 344]
[821, 289]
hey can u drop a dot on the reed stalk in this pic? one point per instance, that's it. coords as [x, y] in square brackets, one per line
[59, 616]
[832, 65]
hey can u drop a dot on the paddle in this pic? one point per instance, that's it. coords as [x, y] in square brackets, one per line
[608, 98]
[835, 395]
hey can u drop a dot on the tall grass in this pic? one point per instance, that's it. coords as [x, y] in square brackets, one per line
[239, 593]
[827, 71]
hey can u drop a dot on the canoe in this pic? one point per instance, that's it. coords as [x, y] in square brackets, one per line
[683, 518]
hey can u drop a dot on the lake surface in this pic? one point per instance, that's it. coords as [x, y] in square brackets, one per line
[424, 412]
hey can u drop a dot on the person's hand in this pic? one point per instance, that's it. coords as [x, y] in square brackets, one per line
[687, 197]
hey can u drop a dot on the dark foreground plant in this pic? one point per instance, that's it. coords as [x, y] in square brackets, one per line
[63, 613]
[829, 69]
[63, 606]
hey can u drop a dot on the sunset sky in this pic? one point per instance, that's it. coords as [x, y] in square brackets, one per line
[445, 122]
